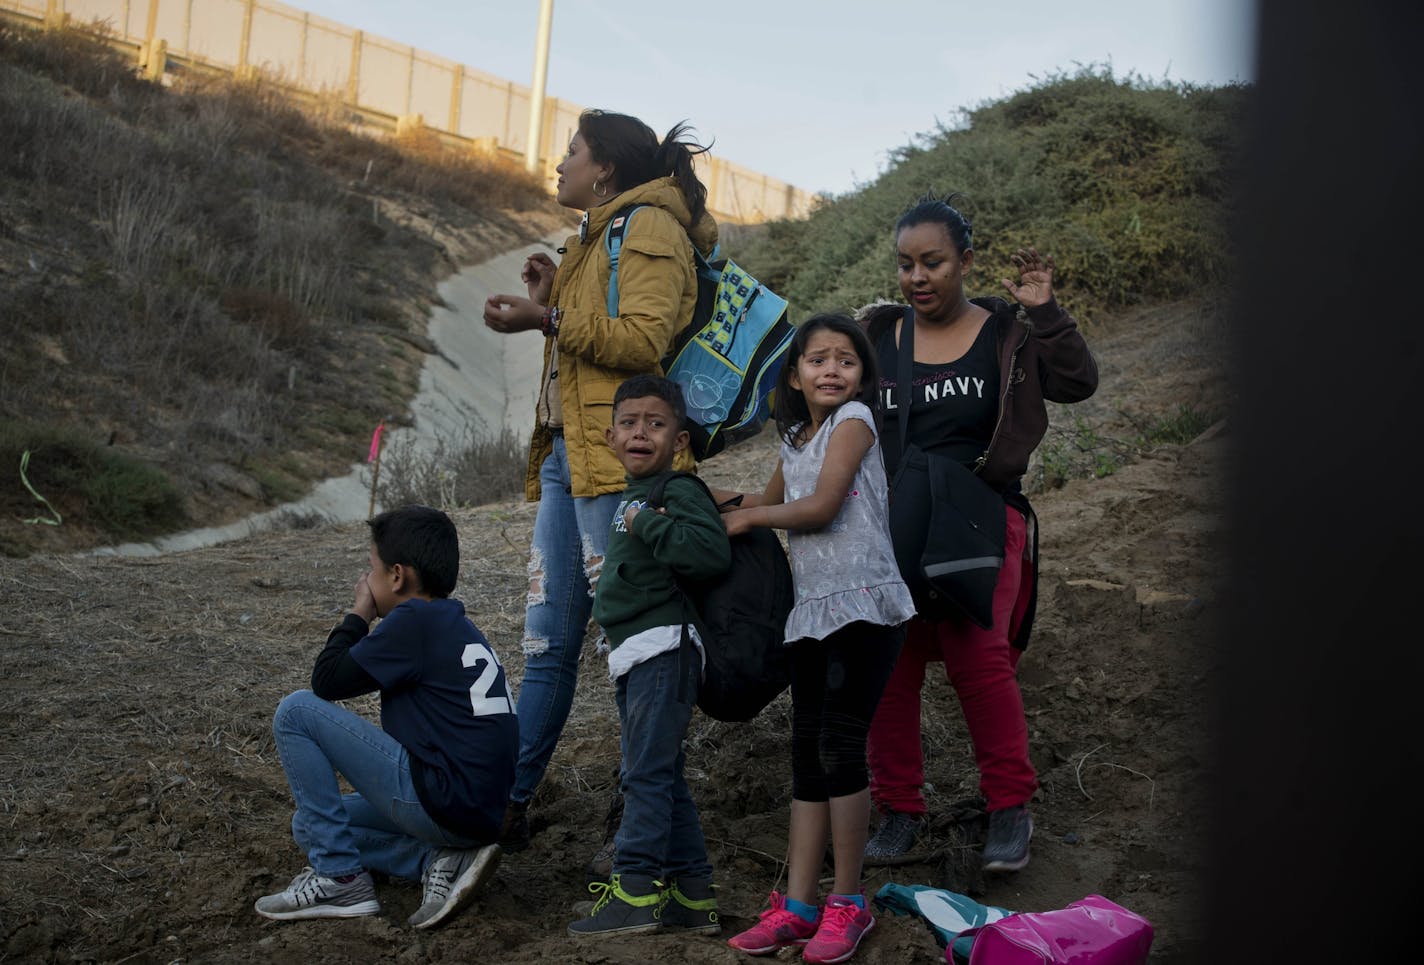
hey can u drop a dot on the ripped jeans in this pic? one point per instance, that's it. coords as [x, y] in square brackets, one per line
[570, 538]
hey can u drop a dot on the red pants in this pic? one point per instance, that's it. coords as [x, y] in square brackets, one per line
[980, 665]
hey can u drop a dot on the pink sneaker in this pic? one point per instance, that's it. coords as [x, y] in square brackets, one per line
[776, 929]
[843, 925]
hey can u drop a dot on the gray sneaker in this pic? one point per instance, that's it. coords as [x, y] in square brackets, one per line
[450, 880]
[600, 866]
[311, 895]
[1010, 830]
[894, 838]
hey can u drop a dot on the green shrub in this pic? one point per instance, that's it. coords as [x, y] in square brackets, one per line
[1075, 448]
[90, 484]
[280, 484]
[1125, 182]
[1178, 428]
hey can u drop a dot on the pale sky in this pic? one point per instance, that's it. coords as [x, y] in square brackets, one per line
[814, 93]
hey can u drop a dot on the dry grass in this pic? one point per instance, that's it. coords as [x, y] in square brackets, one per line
[470, 470]
[201, 276]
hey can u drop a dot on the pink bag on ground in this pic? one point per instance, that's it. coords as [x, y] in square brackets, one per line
[1091, 931]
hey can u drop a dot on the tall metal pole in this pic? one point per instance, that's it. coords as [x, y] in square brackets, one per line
[536, 95]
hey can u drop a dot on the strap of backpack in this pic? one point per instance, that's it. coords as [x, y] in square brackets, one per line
[706, 265]
[686, 649]
[686, 652]
[656, 496]
[904, 375]
[613, 241]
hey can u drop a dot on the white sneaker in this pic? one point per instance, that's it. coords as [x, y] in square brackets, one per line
[451, 879]
[311, 895]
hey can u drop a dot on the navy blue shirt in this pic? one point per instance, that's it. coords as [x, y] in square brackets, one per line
[445, 698]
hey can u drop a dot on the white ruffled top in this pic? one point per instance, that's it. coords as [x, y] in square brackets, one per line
[846, 571]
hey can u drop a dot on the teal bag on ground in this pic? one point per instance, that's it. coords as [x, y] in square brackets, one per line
[947, 913]
[728, 357]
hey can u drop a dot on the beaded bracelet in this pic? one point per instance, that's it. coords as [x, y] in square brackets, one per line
[549, 322]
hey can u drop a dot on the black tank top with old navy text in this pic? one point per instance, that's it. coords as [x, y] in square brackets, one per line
[953, 405]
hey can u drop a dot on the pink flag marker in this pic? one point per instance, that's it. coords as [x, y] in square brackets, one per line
[375, 442]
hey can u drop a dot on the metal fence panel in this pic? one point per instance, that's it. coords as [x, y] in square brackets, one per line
[319, 55]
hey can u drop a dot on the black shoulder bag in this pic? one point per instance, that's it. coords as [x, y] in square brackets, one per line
[946, 524]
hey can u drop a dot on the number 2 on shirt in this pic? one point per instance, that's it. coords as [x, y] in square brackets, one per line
[481, 703]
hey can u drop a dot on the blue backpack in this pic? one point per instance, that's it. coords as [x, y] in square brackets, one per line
[728, 357]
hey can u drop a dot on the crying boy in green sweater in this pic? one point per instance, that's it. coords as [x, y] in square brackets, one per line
[662, 878]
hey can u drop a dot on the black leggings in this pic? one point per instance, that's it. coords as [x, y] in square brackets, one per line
[835, 685]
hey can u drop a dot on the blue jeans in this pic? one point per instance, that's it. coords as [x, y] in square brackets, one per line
[381, 827]
[570, 538]
[661, 834]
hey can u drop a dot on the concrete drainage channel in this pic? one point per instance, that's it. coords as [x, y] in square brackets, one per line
[477, 378]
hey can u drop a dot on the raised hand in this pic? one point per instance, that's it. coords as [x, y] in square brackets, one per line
[365, 604]
[1035, 284]
[510, 313]
[538, 277]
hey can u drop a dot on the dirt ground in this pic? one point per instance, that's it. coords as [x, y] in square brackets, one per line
[143, 808]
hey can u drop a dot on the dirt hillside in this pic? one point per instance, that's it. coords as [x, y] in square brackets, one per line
[143, 809]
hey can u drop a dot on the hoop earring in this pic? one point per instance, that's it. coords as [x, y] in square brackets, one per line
[597, 193]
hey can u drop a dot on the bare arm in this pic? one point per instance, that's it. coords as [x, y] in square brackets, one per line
[774, 493]
[848, 445]
[512, 313]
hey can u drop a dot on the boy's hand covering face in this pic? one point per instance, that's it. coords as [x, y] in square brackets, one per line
[381, 588]
[365, 604]
[645, 435]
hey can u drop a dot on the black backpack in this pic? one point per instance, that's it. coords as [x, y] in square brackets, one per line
[741, 618]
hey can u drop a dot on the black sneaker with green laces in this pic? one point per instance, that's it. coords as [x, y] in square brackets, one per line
[627, 905]
[1010, 830]
[690, 906]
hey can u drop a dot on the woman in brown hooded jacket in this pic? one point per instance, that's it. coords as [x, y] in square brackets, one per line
[982, 370]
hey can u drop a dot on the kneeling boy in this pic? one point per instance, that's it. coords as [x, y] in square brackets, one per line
[431, 782]
[661, 875]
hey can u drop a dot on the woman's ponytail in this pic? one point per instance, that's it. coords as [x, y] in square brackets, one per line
[675, 158]
[638, 157]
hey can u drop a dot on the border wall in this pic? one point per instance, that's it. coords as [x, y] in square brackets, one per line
[387, 85]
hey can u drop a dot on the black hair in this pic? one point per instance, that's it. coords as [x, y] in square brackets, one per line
[932, 209]
[642, 386]
[423, 539]
[638, 157]
[790, 409]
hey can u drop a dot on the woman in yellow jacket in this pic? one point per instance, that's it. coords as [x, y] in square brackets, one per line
[614, 161]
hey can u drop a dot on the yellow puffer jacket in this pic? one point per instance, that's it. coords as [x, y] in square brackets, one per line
[657, 290]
